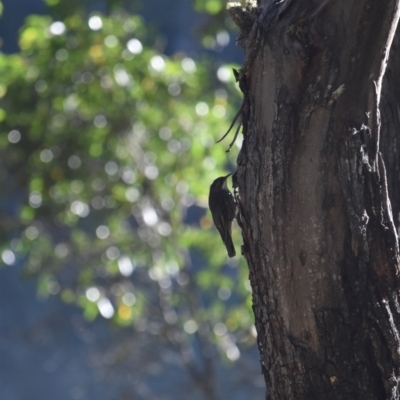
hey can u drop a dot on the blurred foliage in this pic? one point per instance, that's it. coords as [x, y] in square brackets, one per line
[213, 33]
[210, 6]
[107, 153]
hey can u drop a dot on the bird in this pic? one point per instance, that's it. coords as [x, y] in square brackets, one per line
[223, 210]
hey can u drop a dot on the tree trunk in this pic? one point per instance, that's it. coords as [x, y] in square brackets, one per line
[316, 219]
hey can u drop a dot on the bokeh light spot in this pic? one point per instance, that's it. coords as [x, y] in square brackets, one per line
[125, 266]
[124, 312]
[157, 63]
[190, 326]
[61, 55]
[165, 133]
[61, 250]
[100, 121]
[150, 217]
[92, 294]
[219, 111]
[224, 74]
[106, 308]
[113, 253]
[151, 172]
[188, 65]
[220, 329]
[77, 186]
[14, 136]
[102, 232]
[80, 209]
[132, 194]
[35, 199]
[233, 353]
[134, 46]
[46, 155]
[74, 162]
[224, 293]
[57, 28]
[95, 23]
[129, 299]
[31, 232]
[111, 41]
[8, 257]
[174, 89]
[111, 168]
[223, 38]
[164, 229]
[202, 109]
[121, 76]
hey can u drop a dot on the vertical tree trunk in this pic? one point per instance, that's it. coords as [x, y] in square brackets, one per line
[318, 231]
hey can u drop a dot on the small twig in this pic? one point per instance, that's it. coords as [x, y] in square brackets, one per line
[237, 116]
[234, 138]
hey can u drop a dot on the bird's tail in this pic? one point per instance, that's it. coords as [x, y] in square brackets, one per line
[229, 245]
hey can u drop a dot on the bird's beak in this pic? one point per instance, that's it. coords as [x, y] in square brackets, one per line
[225, 185]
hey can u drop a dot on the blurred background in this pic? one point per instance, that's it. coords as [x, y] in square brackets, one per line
[114, 284]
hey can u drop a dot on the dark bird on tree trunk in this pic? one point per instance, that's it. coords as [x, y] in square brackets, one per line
[223, 209]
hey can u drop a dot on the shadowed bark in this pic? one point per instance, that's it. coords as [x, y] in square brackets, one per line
[318, 230]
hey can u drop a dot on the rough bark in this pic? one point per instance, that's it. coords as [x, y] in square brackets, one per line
[318, 231]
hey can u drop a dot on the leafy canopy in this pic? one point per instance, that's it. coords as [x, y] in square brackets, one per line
[107, 152]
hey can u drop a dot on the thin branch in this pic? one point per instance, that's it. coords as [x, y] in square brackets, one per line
[238, 114]
[234, 138]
